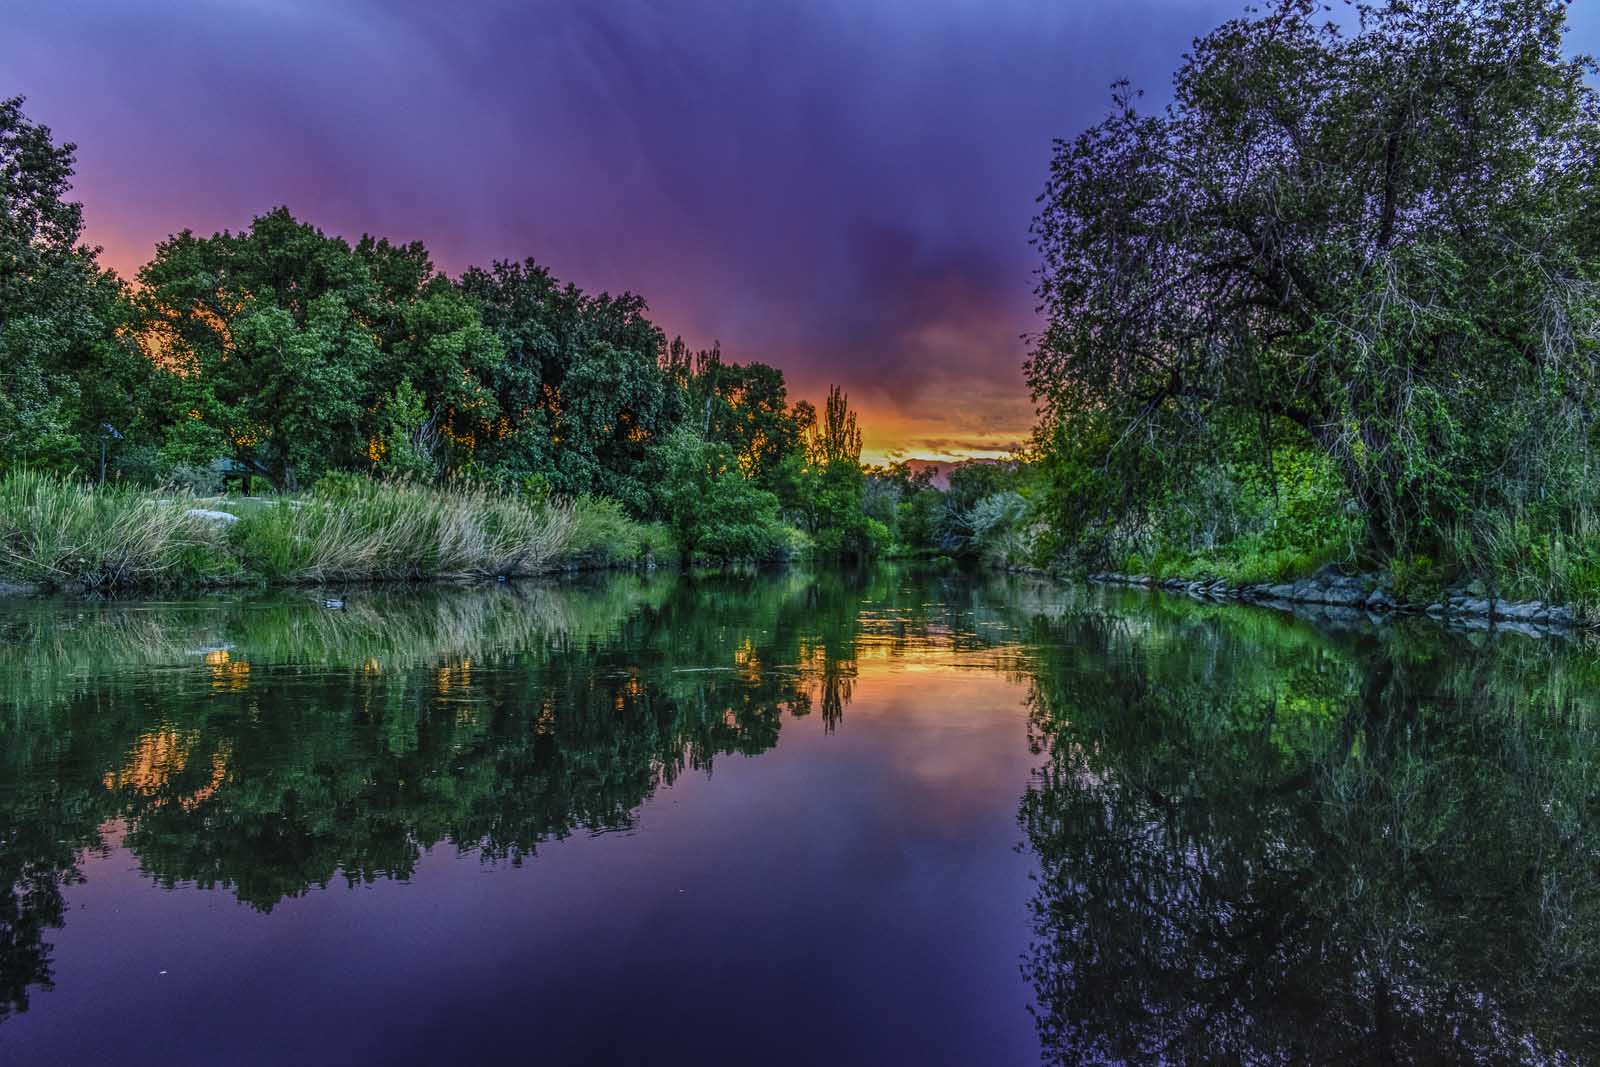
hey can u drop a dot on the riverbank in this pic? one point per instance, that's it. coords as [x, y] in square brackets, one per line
[1471, 605]
[59, 535]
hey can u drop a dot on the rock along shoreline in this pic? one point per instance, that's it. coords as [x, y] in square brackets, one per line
[1470, 606]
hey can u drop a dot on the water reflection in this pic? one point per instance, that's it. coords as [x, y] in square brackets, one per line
[274, 746]
[1264, 845]
[1259, 841]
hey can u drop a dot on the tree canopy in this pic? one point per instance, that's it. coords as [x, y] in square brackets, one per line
[1383, 234]
[67, 376]
[286, 344]
[284, 354]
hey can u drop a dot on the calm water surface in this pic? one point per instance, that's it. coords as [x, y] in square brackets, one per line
[879, 817]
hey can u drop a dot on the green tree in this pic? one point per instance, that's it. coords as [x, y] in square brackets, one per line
[407, 441]
[66, 374]
[1384, 236]
[836, 485]
[284, 341]
[744, 406]
[582, 386]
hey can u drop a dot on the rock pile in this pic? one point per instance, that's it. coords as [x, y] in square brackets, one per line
[1364, 592]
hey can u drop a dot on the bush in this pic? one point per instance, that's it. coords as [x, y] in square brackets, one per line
[1243, 503]
[716, 514]
[603, 535]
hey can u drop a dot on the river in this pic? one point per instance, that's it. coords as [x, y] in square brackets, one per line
[894, 815]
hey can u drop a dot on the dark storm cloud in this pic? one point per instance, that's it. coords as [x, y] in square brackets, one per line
[843, 188]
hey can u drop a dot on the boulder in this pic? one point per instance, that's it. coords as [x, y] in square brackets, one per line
[1344, 591]
[219, 519]
[1525, 611]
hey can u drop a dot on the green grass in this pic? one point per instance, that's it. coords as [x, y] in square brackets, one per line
[1247, 561]
[1514, 555]
[64, 533]
[58, 532]
[1523, 556]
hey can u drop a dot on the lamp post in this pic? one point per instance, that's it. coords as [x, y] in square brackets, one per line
[108, 433]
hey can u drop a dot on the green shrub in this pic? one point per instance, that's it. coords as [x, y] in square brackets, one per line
[338, 485]
[604, 535]
[717, 514]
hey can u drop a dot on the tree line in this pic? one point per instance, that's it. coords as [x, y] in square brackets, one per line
[1338, 302]
[283, 356]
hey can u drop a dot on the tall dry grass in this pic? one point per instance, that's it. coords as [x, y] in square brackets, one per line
[60, 531]
[403, 530]
[63, 532]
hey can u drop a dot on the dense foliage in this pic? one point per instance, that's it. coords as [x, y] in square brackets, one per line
[987, 511]
[67, 374]
[1264, 844]
[1338, 299]
[279, 357]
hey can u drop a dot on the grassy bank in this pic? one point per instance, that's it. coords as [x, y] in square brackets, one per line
[61, 533]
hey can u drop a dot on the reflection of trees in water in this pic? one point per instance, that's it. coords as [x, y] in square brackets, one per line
[1261, 846]
[270, 747]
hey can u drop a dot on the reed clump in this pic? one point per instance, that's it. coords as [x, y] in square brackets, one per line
[66, 533]
[395, 530]
[59, 531]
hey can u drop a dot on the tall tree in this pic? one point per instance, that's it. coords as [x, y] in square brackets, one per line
[1385, 235]
[283, 343]
[832, 505]
[68, 381]
[836, 437]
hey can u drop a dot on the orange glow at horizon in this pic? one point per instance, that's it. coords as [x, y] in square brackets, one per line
[948, 421]
[888, 434]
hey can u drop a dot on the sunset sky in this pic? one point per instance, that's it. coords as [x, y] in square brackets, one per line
[839, 187]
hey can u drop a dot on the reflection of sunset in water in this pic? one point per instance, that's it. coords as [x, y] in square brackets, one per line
[944, 796]
[227, 674]
[158, 758]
